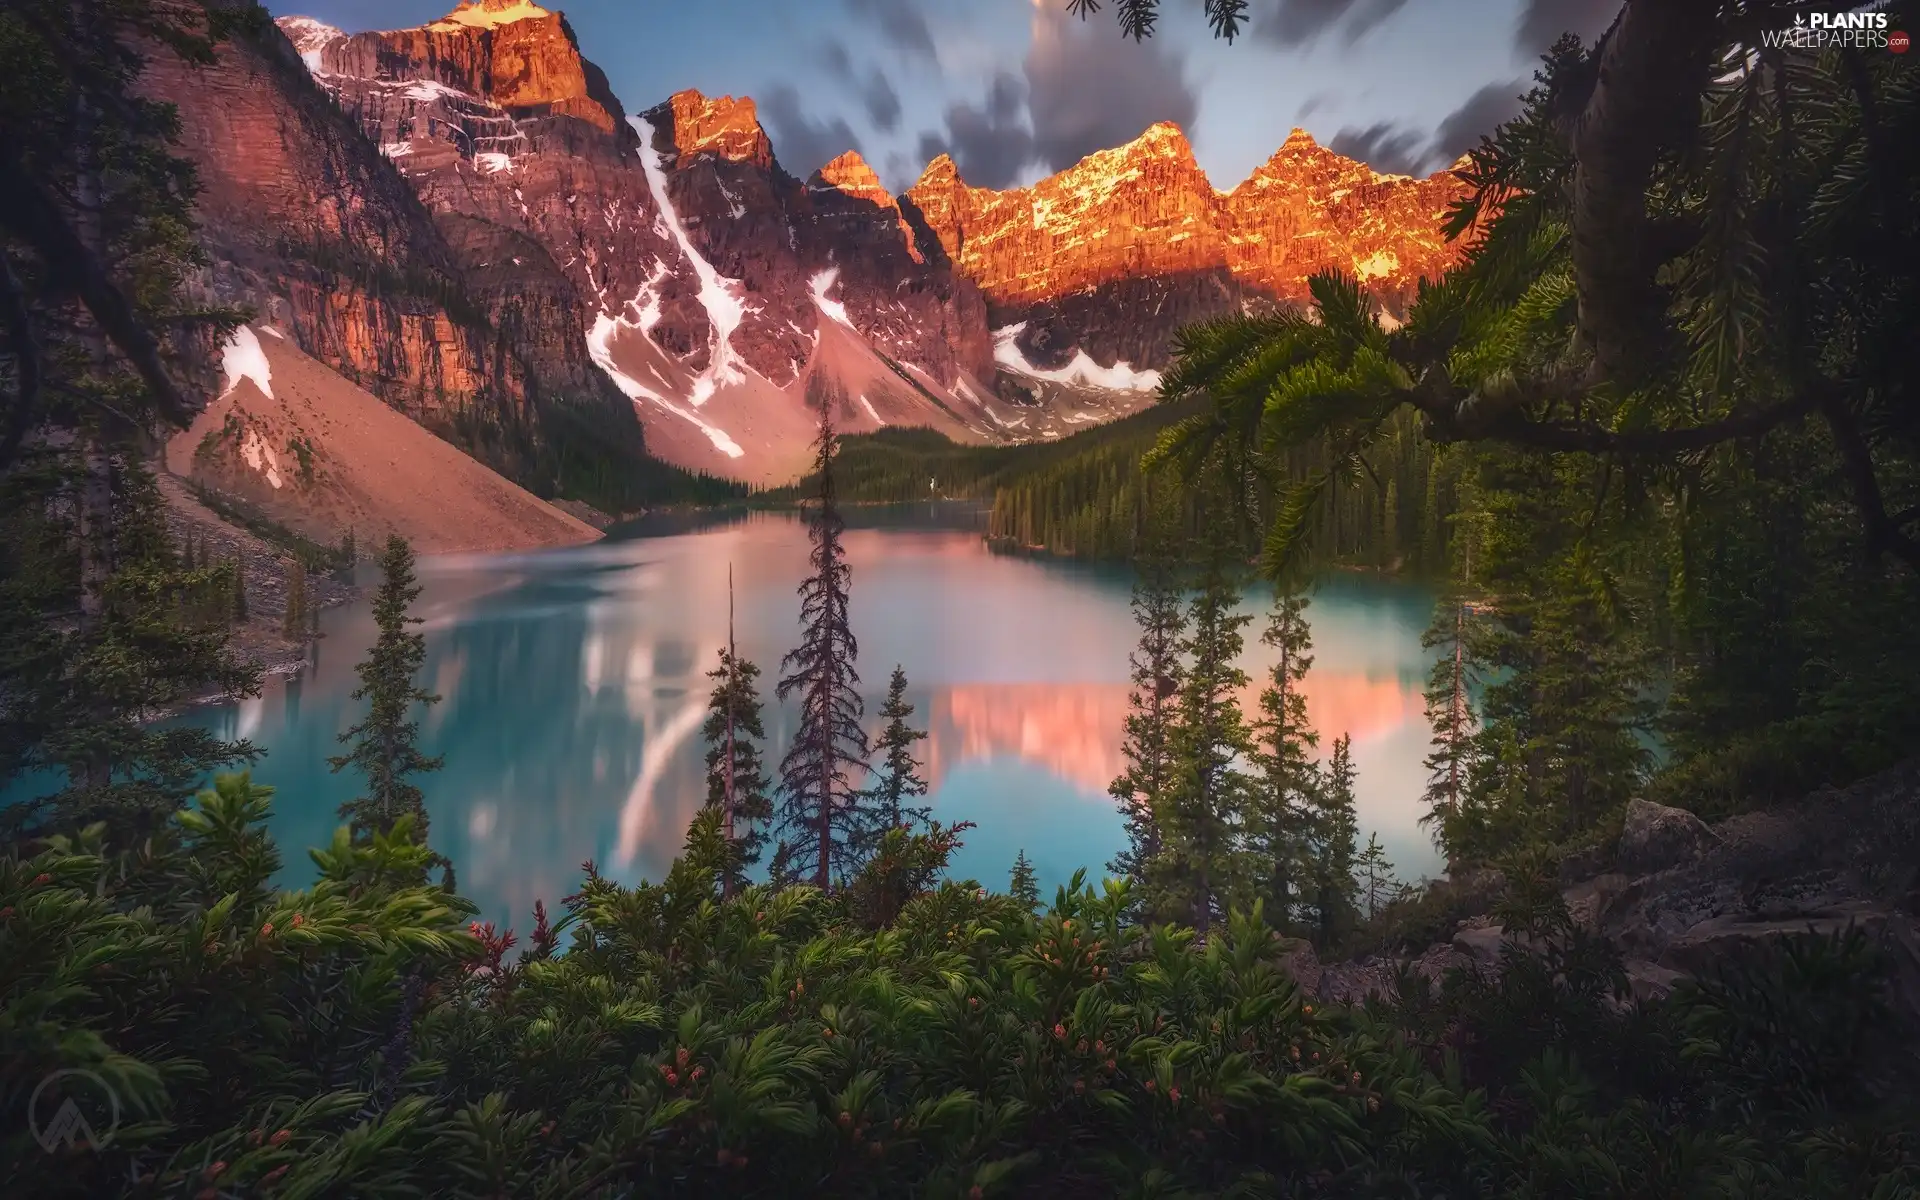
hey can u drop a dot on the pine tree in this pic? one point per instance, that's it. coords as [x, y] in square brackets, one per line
[1374, 876]
[384, 743]
[737, 783]
[293, 622]
[1021, 883]
[1335, 831]
[1450, 715]
[818, 812]
[1153, 704]
[896, 781]
[239, 581]
[1285, 784]
[1200, 827]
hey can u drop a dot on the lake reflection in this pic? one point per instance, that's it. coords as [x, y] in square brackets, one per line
[573, 689]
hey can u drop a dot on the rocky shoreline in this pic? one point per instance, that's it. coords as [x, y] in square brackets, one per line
[1681, 898]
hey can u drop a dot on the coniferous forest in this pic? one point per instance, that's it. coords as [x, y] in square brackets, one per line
[1656, 437]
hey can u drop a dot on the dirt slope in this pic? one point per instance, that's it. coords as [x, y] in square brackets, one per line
[323, 456]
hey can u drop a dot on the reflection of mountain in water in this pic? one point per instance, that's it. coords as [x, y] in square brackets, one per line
[573, 690]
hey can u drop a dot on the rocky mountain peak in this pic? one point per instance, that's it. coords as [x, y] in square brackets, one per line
[489, 14]
[942, 172]
[852, 175]
[721, 125]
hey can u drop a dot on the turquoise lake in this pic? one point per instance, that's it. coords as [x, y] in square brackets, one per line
[573, 689]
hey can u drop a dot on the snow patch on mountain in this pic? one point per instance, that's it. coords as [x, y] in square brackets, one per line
[868, 405]
[242, 358]
[1120, 377]
[600, 349]
[822, 283]
[723, 298]
[309, 38]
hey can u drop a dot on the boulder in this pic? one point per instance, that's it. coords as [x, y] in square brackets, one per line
[1657, 838]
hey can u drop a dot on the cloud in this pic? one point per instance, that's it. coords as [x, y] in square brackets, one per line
[1543, 21]
[834, 56]
[802, 143]
[901, 23]
[1089, 90]
[1297, 22]
[1386, 147]
[883, 103]
[989, 141]
[1400, 150]
[1483, 111]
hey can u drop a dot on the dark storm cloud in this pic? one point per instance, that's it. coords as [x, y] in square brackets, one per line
[802, 143]
[1543, 21]
[1297, 22]
[883, 103]
[900, 22]
[1399, 150]
[1479, 116]
[1089, 90]
[989, 141]
[834, 56]
[1385, 147]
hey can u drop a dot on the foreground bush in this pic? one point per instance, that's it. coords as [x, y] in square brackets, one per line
[898, 1038]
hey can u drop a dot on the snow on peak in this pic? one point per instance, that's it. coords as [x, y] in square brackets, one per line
[489, 14]
[492, 162]
[1120, 377]
[822, 283]
[723, 298]
[242, 358]
[309, 38]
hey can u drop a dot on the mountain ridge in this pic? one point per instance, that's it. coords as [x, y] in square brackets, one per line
[669, 252]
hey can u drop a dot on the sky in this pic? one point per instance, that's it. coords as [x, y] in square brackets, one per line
[1017, 89]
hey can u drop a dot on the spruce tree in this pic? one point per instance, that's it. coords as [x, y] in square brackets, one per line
[1021, 883]
[885, 803]
[818, 811]
[1335, 830]
[1373, 875]
[737, 784]
[1153, 704]
[1450, 715]
[238, 578]
[385, 742]
[1200, 828]
[293, 621]
[1283, 791]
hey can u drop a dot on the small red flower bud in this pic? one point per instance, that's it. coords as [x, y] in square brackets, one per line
[846, 1120]
[1173, 1094]
[41, 878]
[698, 1071]
[1079, 1086]
[280, 1137]
[272, 1177]
[680, 1056]
[974, 1192]
[826, 1033]
[266, 929]
[253, 1139]
[1148, 1085]
[6, 914]
[298, 920]
[1059, 1031]
[673, 1077]
[214, 1168]
[972, 1001]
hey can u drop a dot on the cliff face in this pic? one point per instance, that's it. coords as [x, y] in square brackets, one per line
[305, 223]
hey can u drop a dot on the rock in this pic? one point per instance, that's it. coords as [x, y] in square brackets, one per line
[1650, 981]
[1658, 838]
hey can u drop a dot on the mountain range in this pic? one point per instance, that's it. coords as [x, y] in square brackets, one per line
[462, 219]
